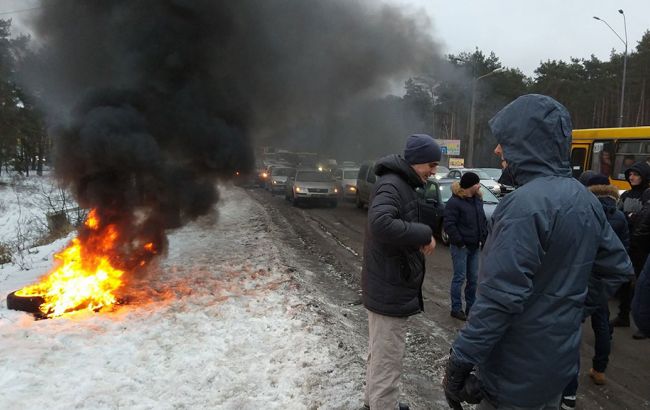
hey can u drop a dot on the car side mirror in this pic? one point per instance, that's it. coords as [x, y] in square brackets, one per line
[433, 201]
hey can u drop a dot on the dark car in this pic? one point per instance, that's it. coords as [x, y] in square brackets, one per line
[365, 183]
[434, 197]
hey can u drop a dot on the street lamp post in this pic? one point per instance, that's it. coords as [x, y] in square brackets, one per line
[620, 117]
[472, 117]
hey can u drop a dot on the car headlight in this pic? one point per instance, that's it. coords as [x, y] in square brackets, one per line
[352, 189]
[298, 189]
[336, 190]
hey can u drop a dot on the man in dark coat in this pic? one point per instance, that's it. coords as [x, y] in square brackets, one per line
[641, 301]
[548, 237]
[638, 175]
[466, 226]
[393, 264]
[641, 238]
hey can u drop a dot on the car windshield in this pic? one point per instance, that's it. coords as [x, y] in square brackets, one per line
[282, 172]
[313, 176]
[350, 174]
[494, 173]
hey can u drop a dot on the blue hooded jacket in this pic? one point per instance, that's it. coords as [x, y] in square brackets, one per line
[547, 238]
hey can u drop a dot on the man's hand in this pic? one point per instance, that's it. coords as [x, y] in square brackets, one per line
[428, 249]
[456, 374]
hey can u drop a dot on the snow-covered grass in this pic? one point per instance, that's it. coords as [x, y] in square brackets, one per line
[224, 325]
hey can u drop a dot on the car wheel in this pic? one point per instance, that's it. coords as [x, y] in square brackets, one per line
[444, 237]
[27, 304]
[294, 200]
[334, 203]
[357, 201]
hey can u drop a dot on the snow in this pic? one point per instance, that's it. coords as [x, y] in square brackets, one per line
[225, 324]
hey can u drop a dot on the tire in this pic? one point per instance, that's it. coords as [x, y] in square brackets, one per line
[27, 304]
[294, 200]
[357, 201]
[334, 203]
[444, 238]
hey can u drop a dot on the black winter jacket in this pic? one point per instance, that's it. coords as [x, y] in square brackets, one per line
[630, 202]
[641, 233]
[464, 219]
[393, 266]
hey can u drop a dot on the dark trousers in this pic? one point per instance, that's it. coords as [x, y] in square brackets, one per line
[602, 347]
[626, 291]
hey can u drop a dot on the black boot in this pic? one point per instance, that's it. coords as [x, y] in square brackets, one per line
[620, 321]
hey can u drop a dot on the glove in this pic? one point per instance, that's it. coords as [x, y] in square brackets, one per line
[456, 374]
[472, 390]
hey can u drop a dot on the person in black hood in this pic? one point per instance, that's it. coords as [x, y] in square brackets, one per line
[547, 239]
[392, 272]
[638, 175]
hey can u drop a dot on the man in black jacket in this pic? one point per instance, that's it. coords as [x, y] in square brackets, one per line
[393, 264]
[466, 226]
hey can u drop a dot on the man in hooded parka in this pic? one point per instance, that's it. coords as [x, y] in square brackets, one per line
[547, 238]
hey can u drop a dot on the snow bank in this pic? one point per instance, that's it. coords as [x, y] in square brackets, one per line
[226, 326]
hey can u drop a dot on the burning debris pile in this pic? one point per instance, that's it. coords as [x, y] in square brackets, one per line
[152, 102]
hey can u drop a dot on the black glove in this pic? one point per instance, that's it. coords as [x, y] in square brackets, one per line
[456, 373]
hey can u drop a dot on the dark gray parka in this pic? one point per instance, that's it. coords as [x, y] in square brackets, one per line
[547, 238]
[393, 266]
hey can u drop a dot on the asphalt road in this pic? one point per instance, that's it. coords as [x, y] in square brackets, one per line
[333, 237]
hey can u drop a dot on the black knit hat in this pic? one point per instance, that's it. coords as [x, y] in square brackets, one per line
[598, 179]
[469, 179]
[421, 149]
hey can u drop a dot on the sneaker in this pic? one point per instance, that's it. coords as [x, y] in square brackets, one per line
[597, 377]
[568, 403]
[639, 335]
[458, 314]
[620, 321]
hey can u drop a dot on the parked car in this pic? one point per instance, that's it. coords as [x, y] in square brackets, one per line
[347, 178]
[365, 183]
[486, 180]
[311, 185]
[434, 197]
[277, 179]
[441, 172]
[495, 174]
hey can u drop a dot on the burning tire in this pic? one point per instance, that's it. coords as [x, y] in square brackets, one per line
[27, 304]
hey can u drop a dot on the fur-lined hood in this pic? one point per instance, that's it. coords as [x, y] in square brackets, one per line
[461, 192]
[605, 190]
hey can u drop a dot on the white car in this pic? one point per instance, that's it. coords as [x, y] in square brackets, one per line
[486, 180]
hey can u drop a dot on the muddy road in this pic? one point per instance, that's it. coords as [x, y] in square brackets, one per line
[331, 241]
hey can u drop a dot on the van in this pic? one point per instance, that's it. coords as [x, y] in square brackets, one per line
[365, 183]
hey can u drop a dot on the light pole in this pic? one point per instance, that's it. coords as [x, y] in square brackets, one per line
[620, 117]
[472, 115]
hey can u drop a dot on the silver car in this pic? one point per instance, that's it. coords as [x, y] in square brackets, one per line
[347, 178]
[486, 180]
[312, 186]
[278, 178]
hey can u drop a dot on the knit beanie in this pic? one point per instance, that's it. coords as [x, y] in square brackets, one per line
[421, 149]
[598, 179]
[469, 179]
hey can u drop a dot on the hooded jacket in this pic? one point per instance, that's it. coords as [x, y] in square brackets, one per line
[393, 266]
[464, 218]
[547, 238]
[630, 202]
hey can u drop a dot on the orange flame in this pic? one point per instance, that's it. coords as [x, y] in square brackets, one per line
[84, 277]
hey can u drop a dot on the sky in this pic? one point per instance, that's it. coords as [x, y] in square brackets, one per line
[524, 33]
[521, 33]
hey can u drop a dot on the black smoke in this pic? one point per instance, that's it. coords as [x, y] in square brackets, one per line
[151, 101]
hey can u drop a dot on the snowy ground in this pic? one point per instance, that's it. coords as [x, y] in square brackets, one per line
[227, 325]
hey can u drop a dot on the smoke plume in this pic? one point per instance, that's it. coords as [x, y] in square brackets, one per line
[151, 101]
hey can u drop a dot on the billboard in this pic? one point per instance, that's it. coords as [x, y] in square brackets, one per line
[449, 147]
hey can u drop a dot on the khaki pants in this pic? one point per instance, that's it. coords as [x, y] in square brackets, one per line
[386, 344]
